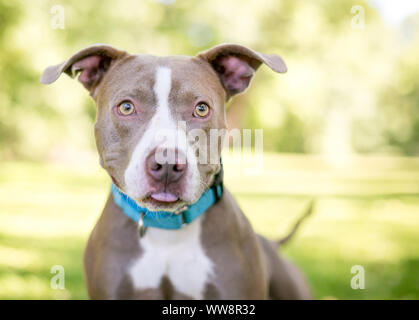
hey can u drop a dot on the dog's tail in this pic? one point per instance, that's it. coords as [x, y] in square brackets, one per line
[294, 229]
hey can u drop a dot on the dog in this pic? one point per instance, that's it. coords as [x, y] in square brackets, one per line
[169, 229]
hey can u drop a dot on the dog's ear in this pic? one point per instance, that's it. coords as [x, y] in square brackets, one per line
[236, 65]
[91, 63]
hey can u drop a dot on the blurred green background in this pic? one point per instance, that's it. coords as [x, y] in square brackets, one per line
[342, 126]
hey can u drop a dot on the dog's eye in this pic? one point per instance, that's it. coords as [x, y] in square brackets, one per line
[201, 110]
[126, 108]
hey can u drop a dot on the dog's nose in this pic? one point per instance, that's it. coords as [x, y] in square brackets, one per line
[165, 172]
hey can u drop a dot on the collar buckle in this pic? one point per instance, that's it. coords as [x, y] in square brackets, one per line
[141, 227]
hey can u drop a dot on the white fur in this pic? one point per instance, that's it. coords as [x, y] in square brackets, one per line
[177, 254]
[161, 125]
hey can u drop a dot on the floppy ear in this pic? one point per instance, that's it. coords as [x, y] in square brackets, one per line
[91, 63]
[236, 65]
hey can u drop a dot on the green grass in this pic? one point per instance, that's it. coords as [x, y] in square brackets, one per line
[367, 213]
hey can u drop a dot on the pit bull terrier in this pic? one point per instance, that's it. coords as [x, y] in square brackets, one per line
[169, 230]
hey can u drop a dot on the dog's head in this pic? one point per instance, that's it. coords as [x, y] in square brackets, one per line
[157, 117]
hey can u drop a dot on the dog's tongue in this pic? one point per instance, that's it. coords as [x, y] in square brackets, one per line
[164, 197]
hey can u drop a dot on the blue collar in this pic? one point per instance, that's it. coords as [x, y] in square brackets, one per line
[164, 219]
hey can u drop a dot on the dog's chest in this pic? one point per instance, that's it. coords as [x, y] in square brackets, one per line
[174, 254]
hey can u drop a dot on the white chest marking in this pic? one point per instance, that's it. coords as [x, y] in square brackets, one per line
[177, 254]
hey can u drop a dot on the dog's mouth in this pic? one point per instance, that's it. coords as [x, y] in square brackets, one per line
[162, 201]
[164, 197]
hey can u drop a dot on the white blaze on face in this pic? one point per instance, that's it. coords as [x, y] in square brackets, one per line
[161, 128]
[162, 88]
